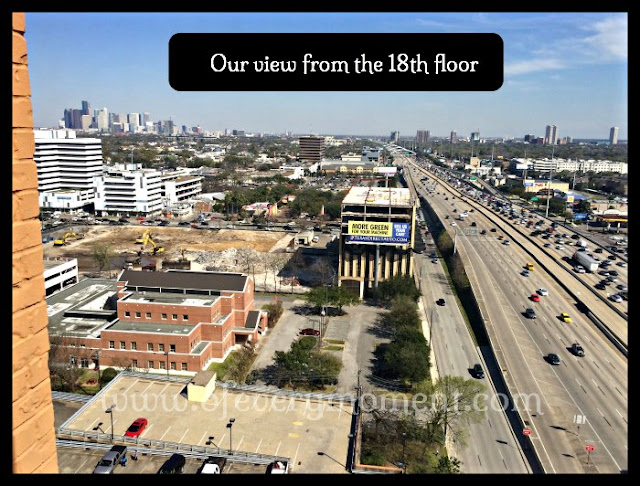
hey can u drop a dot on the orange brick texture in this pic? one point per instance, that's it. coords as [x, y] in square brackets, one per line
[34, 441]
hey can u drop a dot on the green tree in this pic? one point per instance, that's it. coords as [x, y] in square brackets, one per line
[448, 465]
[408, 355]
[398, 285]
[102, 254]
[341, 296]
[402, 313]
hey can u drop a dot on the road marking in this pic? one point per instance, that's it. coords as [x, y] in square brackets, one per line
[544, 318]
[143, 391]
[222, 438]
[91, 425]
[202, 438]
[296, 454]
[83, 463]
[276, 453]
[258, 446]
[238, 446]
[165, 432]
[135, 382]
[185, 433]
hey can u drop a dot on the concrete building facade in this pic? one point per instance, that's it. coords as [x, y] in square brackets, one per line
[377, 234]
[311, 149]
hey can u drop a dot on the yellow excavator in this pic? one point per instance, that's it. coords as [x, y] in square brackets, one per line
[155, 248]
[63, 241]
[140, 241]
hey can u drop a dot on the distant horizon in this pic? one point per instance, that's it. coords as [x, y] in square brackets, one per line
[560, 68]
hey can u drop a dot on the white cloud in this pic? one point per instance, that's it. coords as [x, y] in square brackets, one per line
[534, 65]
[431, 23]
[610, 40]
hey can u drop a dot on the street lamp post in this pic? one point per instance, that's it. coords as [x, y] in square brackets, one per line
[96, 356]
[110, 412]
[230, 426]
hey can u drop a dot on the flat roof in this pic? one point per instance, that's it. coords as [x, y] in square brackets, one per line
[146, 326]
[185, 279]
[147, 297]
[378, 196]
[79, 310]
[53, 263]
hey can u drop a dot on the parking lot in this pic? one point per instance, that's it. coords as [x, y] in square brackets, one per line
[83, 461]
[264, 423]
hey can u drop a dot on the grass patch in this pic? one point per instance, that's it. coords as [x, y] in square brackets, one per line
[333, 348]
[333, 341]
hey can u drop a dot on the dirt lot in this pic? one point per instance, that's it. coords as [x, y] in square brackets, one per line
[172, 239]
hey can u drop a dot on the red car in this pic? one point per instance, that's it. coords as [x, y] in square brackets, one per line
[310, 332]
[136, 428]
[535, 297]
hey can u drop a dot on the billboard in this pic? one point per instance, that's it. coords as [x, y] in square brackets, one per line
[376, 232]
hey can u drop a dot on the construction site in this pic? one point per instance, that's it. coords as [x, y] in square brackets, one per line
[265, 255]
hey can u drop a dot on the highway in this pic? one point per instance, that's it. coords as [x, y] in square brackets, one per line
[491, 446]
[594, 386]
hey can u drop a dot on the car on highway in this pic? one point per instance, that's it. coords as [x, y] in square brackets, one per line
[616, 298]
[575, 237]
[473, 223]
[542, 291]
[547, 245]
[163, 223]
[309, 332]
[612, 278]
[612, 257]
[559, 247]
[613, 272]
[621, 264]
[440, 301]
[506, 242]
[136, 428]
[434, 260]
[183, 223]
[604, 273]
[493, 230]
[579, 269]
[564, 317]
[535, 297]
[453, 223]
[478, 372]
[577, 349]
[530, 313]
[554, 359]
[525, 273]
[598, 250]
[604, 282]
[483, 232]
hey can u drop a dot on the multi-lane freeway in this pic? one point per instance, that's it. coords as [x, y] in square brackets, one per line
[593, 386]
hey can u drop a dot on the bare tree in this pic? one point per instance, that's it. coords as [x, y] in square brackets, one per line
[295, 264]
[65, 355]
[248, 258]
[277, 263]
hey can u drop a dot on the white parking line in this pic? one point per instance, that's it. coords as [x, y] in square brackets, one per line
[165, 432]
[203, 436]
[296, 454]
[143, 391]
[185, 433]
[259, 443]
[276, 453]
[238, 446]
[83, 463]
[135, 382]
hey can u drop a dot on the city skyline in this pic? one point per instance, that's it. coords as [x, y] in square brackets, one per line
[548, 57]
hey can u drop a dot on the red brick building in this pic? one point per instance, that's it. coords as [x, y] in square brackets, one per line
[178, 320]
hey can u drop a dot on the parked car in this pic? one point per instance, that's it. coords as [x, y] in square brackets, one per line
[478, 372]
[123, 220]
[164, 223]
[110, 460]
[173, 465]
[309, 332]
[183, 223]
[136, 428]
[213, 465]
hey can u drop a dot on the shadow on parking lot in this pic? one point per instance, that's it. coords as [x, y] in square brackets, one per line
[380, 328]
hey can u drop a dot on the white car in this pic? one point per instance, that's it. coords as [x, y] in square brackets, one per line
[543, 292]
[579, 269]
[622, 287]
[453, 223]
[559, 247]
[616, 298]
[506, 242]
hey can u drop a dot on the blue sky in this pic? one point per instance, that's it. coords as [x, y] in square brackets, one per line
[567, 69]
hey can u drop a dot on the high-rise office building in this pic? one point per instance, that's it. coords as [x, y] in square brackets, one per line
[146, 117]
[85, 122]
[475, 136]
[394, 137]
[68, 117]
[551, 135]
[453, 138]
[311, 149]
[613, 135]
[102, 120]
[134, 122]
[86, 108]
[422, 136]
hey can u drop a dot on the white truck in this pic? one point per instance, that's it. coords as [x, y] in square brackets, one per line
[589, 264]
